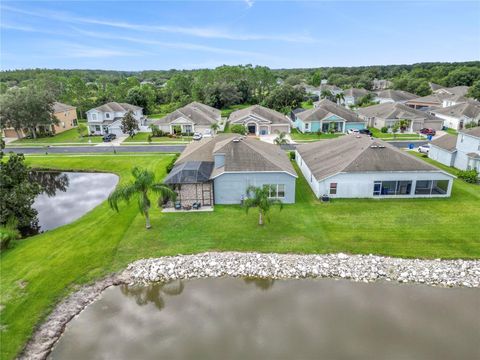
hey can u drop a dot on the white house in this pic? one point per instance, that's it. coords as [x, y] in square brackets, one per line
[458, 115]
[464, 155]
[352, 95]
[194, 117]
[356, 166]
[259, 120]
[107, 119]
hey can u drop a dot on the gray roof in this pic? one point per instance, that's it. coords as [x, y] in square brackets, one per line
[456, 93]
[190, 172]
[395, 111]
[456, 90]
[472, 132]
[396, 95]
[241, 154]
[355, 92]
[325, 108]
[60, 107]
[357, 153]
[447, 142]
[435, 87]
[117, 107]
[272, 116]
[199, 114]
[469, 108]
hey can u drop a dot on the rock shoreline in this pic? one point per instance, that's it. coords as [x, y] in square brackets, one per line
[364, 268]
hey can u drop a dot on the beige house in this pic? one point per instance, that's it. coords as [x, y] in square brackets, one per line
[65, 114]
[259, 120]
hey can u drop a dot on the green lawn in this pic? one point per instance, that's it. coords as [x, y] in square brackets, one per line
[451, 131]
[69, 136]
[143, 137]
[307, 137]
[398, 136]
[306, 105]
[40, 271]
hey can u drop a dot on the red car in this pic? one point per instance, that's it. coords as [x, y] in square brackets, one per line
[426, 131]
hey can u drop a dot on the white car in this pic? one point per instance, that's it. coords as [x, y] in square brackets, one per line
[353, 131]
[197, 136]
[424, 149]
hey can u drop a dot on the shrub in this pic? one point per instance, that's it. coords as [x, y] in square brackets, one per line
[384, 129]
[238, 129]
[172, 164]
[149, 138]
[470, 176]
[8, 233]
[292, 155]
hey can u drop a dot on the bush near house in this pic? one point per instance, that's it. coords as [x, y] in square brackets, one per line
[238, 129]
[470, 176]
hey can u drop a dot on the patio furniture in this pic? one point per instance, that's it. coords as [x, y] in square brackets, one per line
[178, 206]
[196, 205]
[187, 207]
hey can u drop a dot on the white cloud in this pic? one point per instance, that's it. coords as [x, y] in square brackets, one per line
[249, 3]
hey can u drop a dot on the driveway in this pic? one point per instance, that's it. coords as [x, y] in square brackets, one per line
[115, 142]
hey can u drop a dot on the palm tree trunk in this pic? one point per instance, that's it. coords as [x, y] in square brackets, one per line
[260, 218]
[147, 220]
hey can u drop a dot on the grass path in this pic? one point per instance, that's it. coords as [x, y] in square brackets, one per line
[40, 271]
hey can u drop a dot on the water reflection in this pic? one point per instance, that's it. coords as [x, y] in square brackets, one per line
[260, 283]
[295, 319]
[68, 195]
[152, 293]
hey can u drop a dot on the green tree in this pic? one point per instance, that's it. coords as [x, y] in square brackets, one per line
[220, 95]
[316, 78]
[143, 96]
[474, 91]
[141, 188]
[259, 197]
[129, 124]
[82, 129]
[214, 128]
[281, 139]
[285, 97]
[238, 129]
[395, 129]
[327, 94]
[403, 124]
[339, 98]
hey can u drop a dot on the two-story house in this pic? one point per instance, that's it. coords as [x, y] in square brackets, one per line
[459, 115]
[107, 119]
[461, 151]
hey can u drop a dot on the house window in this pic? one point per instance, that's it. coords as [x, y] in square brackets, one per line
[94, 117]
[431, 187]
[307, 125]
[388, 188]
[333, 188]
[276, 190]
[97, 127]
[107, 115]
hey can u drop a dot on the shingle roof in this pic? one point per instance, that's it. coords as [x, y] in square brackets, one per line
[325, 108]
[272, 116]
[60, 107]
[396, 95]
[199, 114]
[246, 154]
[456, 93]
[395, 111]
[359, 153]
[435, 87]
[355, 92]
[447, 142]
[117, 107]
[456, 90]
[469, 108]
[472, 132]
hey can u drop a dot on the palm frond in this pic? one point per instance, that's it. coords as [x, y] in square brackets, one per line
[121, 193]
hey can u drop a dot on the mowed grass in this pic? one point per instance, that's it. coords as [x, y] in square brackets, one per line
[38, 272]
[299, 136]
[69, 136]
[143, 137]
[398, 136]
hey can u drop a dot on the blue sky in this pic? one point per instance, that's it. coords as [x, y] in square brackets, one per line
[133, 35]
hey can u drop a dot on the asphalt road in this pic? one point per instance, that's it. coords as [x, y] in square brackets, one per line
[143, 148]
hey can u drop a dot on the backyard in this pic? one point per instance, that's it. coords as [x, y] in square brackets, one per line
[39, 271]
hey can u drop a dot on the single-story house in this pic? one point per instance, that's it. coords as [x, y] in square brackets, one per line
[219, 169]
[259, 120]
[65, 114]
[389, 113]
[107, 118]
[193, 117]
[357, 166]
[442, 97]
[381, 84]
[464, 155]
[394, 96]
[326, 114]
[352, 95]
[459, 115]
[318, 90]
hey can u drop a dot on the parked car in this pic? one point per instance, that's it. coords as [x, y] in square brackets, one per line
[197, 136]
[352, 131]
[427, 131]
[109, 137]
[365, 131]
[424, 149]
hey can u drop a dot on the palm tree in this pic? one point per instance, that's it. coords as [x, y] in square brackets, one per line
[214, 128]
[141, 187]
[259, 197]
[403, 124]
[326, 94]
[339, 97]
[281, 139]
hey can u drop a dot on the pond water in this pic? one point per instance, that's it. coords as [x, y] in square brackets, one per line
[231, 318]
[69, 195]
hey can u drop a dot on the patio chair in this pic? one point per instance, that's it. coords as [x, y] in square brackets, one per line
[196, 205]
[178, 206]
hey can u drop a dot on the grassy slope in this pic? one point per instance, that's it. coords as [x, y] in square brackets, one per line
[101, 242]
[69, 136]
